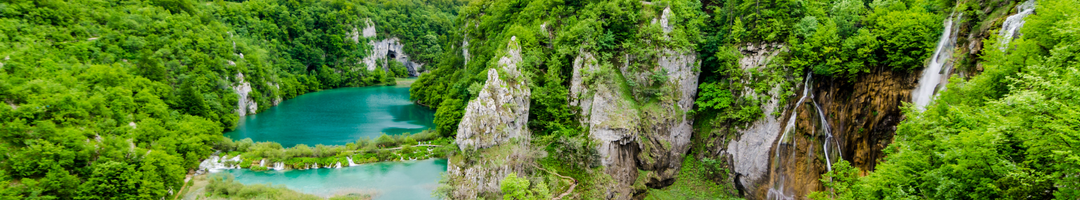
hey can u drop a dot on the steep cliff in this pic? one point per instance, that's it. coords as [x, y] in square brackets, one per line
[385, 49]
[638, 113]
[492, 134]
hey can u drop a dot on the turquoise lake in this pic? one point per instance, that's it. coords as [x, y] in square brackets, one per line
[386, 180]
[337, 117]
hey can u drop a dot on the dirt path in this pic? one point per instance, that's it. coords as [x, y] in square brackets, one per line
[572, 181]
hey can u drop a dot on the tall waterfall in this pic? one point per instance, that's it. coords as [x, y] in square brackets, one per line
[934, 76]
[1011, 27]
[787, 140]
[828, 137]
[777, 189]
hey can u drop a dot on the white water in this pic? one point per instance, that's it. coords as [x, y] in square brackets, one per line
[1012, 24]
[777, 191]
[829, 137]
[216, 164]
[351, 163]
[278, 166]
[933, 76]
[338, 165]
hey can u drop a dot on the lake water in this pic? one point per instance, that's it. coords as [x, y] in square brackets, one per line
[387, 180]
[336, 117]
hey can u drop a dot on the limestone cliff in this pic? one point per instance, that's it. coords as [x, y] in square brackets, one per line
[783, 154]
[638, 113]
[385, 49]
[245, 105]
[492, 134]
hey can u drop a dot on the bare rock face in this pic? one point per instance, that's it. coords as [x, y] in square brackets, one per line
[246, 105]
[389, 48]
[749, 153]
[501, 110]
[493, 133]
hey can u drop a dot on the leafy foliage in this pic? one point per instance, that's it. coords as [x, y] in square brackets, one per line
[119, 99]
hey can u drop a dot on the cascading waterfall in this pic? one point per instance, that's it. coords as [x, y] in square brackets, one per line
[788, 138]
[777, 190]
[279, 166]
[1012, 24]
[351, 163]
[216, 164]
[829, 137]
[934, 76]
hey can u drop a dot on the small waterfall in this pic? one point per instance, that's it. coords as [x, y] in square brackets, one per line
[262, 163]
[279, 166]
[351, 163]
[934, 76]
[216, 164]
[338, 165]
[1011, 27]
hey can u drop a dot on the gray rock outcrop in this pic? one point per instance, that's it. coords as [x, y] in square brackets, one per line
[385, 49]
[245, 105]
[501, 110]
[642, 135]
[494, 130]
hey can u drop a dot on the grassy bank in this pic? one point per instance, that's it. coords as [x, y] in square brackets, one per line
[260, 156]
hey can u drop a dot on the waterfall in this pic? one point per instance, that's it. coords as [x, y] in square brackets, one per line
[351, 163]
[1012, 24]
[777, 190]
[829, 137]
[279, 166]
[933, 76]
[778, 187]
[338, 165]
[216, 164]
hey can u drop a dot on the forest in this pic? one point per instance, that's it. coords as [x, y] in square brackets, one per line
[120, 99]
[123, 99]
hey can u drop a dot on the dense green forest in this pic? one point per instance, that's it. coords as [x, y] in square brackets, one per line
[1008, 133]
[120, 99]
[123, 99]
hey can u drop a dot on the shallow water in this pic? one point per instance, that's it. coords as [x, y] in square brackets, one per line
[336, 117]
[387, 180]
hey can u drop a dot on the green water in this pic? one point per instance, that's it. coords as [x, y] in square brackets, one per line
[336, 117]
[387, 180]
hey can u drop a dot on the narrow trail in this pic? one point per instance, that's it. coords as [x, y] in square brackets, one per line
[186, 179]
[572, 181]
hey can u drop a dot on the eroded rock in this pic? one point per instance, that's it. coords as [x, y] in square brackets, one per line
[501, 110]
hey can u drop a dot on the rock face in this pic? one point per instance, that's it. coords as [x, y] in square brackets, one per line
[862, 116]
[389, 48]
[493, 132]
[749, 153]
[642, 136]
[246, 105]
[502, 107]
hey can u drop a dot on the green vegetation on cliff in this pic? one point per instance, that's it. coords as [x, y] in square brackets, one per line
[1008, 133]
